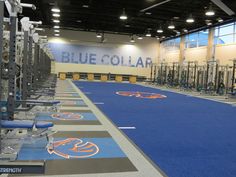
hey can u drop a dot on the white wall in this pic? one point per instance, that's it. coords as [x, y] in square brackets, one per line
[147, 46]
[198, 54]
[225, 53]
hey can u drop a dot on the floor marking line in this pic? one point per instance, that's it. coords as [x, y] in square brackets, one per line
[97, 103]
[127, 128]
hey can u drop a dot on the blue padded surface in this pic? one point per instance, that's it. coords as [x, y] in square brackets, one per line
[17, 124]
[185, 136]
[43, 124]
[43, 101]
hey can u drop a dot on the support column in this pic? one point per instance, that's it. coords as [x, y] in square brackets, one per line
[211, 45]
[182, 50]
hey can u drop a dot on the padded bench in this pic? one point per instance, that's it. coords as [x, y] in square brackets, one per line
[25, 124]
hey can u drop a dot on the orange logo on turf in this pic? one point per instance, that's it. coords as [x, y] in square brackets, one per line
[141, 94]
[67, 116]
[73, 148]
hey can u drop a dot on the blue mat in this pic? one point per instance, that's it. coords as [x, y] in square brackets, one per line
[96, 148]
[185, 136]
[83, 116]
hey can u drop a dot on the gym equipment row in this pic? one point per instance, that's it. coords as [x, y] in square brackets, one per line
[99, 76]
[212, 78]
[26, 85]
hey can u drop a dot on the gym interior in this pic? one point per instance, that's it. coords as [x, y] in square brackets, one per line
[118, 88]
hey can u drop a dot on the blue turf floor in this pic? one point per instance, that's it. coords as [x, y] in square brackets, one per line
[185, 136]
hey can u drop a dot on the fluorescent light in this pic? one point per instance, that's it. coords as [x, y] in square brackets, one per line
[160, 30]
[57, 31]
[132, 39]
[209, 23]
[220, 20]
[57, 34]
[56, 27]
[171, 25]
[140, 38]
[210, 11]
[56, 21]
[148, 35]
[54, 9]
[56, 15]
[123, 15]
[99, 35]
[85, 6]
[185, 30]
[148, 13]
[190, 19]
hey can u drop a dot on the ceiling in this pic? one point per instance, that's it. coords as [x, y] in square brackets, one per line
[103, 15]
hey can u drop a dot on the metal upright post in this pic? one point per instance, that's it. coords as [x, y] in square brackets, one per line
[233, 76]
[29, 68]
[24, 67]
[36, 63]
[40, 65]
[151, 72]
[1, 49]
[12, 67]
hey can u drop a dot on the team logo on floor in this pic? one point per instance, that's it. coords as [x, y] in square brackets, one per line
[141, 94]
[67, 116]
[73, 148]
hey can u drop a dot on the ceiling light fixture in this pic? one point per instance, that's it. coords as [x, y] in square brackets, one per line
[208, 22]
[190, 19]
[55, 9]
[56, 21]
[148, 13]
[140, 38]
[56, 27]
[85, 6]
[210, 11]
[57, 34]
[220, 20]
[185, 30]
[57, 31]
[171, 25]
[99, 35]
[160, 30]
[56, 15]
[148, 34]
[123, 15]
[132, 39]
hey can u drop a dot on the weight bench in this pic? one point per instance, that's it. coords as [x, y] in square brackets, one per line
[22, 124]
[38, 129]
